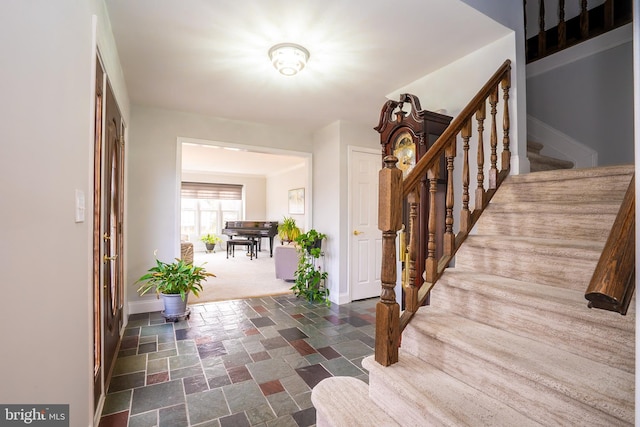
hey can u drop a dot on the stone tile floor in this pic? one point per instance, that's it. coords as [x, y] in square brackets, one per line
[250, 362]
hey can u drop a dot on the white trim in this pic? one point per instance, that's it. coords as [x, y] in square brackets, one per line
[346, 297]
[559, 145]
[582, 50]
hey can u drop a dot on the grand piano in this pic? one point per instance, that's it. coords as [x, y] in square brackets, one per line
[252, 230]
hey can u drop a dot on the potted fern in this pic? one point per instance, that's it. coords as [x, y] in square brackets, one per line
[309, 279]
[210, 241]
[173, 281]
[288, 231]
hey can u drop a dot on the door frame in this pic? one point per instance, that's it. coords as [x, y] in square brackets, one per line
[350, 223]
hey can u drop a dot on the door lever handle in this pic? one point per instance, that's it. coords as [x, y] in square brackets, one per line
[109, 258]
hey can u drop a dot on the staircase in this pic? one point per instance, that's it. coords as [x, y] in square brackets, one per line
[539, 162]
[508, 339]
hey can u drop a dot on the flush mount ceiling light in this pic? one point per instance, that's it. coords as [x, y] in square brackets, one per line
[288, 58]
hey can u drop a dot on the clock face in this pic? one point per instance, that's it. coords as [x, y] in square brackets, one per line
[405, 150]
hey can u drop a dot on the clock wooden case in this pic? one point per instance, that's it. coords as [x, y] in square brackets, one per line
[407, 132]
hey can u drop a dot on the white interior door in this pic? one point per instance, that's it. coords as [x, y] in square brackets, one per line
[365, 238]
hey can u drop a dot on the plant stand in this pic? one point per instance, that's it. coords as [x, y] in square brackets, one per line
[176, 317]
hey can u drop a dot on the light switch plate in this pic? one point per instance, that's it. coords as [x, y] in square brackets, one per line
[79, 206]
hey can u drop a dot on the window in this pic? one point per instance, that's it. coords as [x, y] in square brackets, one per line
[206, 207]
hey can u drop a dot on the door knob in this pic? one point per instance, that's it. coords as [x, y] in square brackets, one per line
[109, 258]
[357, 233]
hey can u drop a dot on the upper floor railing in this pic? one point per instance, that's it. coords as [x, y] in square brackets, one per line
[563, 24]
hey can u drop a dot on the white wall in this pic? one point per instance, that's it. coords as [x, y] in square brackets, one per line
[46, 134]
[277, 195]
[590, 100]
[152, 179]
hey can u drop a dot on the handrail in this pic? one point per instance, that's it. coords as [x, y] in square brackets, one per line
[612, 283]
[393, 190]
[454, 128]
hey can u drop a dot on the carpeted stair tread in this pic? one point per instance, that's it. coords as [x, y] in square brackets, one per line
[344, 401]
[564, 263]
[417, 394]
[539, 162]
[577, 220]
[482, 352]
[567, 185]
[548, 314]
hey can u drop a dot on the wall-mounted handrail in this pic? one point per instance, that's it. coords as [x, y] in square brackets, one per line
[613, 280]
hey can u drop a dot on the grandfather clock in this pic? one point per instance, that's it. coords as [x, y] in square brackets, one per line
[407, 132]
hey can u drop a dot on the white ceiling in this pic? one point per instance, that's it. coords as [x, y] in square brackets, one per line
[210, 56]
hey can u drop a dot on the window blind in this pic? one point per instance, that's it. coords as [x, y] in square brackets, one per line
[205, 190]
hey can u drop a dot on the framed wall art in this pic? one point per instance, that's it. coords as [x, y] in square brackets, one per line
[296, 201]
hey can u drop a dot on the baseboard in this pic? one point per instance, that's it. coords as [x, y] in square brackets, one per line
[145, 306]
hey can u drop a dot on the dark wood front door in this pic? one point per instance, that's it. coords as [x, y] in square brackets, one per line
[108, 238]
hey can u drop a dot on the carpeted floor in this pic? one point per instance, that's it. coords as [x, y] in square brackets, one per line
[239, 277]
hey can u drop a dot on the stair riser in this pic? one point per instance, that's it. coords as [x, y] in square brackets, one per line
[587, 339]
[420, 395]
[544, 404]
[544, 225]
[528, 265]
[578, 190]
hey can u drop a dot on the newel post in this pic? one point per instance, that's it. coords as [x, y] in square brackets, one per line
[389, 222]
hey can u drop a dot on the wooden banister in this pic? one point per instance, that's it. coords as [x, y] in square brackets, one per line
[592, 20]
[393, 191]
[437, 149]
[613, 281]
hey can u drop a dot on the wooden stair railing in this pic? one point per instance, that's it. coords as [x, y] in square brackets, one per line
[589, 23]
[393, 190]
[613, 281]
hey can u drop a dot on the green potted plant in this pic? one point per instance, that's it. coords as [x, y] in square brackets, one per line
[210, 241]
[309, 279]
[173, 281]
[288, 231]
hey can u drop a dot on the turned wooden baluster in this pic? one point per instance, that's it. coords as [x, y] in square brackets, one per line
[562, 26]
[449, 237]
[493, 170]
[431, 264]
[411, 292]
[389, 222]
[608, 14]
[542, 36]
[480, 116]
[465, 214]
[506, 124]
[584, 19]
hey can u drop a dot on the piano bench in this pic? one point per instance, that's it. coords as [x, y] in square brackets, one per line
[252, 246]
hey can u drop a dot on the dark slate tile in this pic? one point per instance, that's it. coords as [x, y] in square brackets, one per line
[214, 348]
[356, 321]
[272, 343]
[124, 382]
[303, 347]
[329, 353]
[115, 420]
[313, 374]
[334, 319]
[195, 384]
[219, 381]
[147, 348]
[292, 334]
[306, 417]
[239, 374]
[271, 387]
[235, 420]
[262, 322]
[157, 396]
[173, 416]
